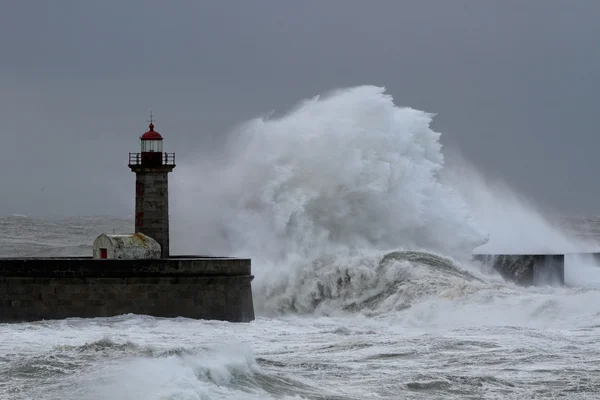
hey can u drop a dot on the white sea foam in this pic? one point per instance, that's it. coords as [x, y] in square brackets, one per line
[514, 223]
[209, 374]
[340, 172]
[324, 192]
[337, 176]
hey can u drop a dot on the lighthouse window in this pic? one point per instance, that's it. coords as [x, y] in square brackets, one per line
[151, 146]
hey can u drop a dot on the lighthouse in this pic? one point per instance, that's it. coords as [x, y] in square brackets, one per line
[131, 272]
[151, 167]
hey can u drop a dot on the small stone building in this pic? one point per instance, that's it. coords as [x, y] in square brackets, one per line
[128, 246]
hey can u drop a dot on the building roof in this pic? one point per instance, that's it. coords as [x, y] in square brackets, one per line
[129, 246]
[131, 239]
[151, 134]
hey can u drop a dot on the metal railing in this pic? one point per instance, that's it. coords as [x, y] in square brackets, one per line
[165, 159]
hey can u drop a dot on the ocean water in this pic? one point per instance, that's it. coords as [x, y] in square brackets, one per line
[360, 229]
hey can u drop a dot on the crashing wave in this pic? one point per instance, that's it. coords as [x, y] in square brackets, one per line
[338, 176]
[367, 284]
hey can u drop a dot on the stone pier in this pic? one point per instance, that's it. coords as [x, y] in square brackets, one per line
[527, 269]
[192, 287]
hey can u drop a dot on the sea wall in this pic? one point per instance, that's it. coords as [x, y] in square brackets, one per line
[527, 269]
[55, 288]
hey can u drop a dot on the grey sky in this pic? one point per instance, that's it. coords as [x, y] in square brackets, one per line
[514, 83]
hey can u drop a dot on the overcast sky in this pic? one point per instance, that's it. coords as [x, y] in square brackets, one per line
[514, 84]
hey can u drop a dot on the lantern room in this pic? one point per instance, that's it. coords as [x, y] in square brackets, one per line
[151, 154]
[152, 141]
[152, 147]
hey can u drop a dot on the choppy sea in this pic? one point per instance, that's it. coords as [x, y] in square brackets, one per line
[432, 330]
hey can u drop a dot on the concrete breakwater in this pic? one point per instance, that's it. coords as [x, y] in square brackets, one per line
[192, 287]
[527, 269]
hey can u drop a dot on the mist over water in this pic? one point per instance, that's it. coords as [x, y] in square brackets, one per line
[514, 223]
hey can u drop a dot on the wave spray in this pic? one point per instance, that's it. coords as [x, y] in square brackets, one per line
[319, 197]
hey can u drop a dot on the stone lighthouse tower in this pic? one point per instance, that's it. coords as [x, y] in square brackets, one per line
[151, 167]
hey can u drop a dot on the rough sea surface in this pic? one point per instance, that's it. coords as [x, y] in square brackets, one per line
[360, 235]
[431, 330]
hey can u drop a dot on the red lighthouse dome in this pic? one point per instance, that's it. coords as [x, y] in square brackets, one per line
[152, 141]
[151, 134]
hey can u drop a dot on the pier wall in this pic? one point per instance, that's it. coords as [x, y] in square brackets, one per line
[527, 269]
[55, 288]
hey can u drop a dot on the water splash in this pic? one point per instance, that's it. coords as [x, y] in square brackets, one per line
[336, 184]
[514, 223]
[339, 173]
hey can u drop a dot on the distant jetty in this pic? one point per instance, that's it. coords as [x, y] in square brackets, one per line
[130, 272]
[527, 269]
